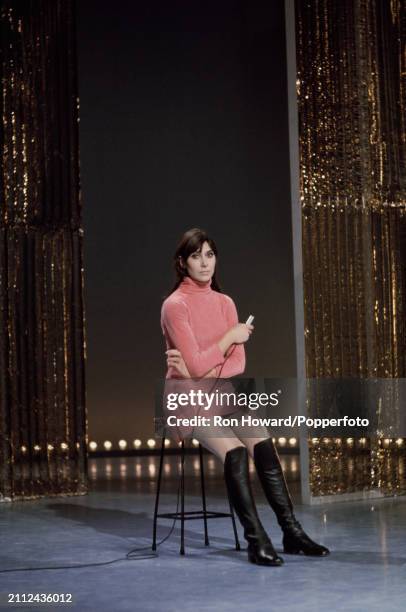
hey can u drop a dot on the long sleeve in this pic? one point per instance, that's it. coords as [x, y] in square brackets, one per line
[175, 322]
[235, 363]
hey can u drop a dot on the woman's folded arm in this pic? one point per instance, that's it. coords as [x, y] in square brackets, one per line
[175, 321]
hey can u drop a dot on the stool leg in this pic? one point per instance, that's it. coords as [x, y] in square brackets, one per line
[182, 494]
[237, 541]
[158, 491]
[206, 533]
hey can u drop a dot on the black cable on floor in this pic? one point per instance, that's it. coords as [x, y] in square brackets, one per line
[130, 556]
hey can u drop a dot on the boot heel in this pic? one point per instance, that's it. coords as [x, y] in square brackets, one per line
[252, 557]
[291, 550]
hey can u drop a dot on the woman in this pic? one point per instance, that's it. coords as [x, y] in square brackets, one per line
[205, 340]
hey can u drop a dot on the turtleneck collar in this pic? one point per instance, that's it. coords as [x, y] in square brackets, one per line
[188, 285]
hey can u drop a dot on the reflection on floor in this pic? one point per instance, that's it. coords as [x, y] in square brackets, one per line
[365, 571]
[139, 473]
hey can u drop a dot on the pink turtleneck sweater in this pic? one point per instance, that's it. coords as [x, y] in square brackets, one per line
[194, 318]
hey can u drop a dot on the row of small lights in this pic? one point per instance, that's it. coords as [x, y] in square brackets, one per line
[50, 447]
[151, 443]
[292, 442]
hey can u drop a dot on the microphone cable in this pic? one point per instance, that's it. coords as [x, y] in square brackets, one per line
[130, 556]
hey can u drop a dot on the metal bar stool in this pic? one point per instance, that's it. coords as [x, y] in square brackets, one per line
[189, 515]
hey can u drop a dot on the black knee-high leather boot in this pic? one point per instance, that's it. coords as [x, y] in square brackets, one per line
[260, 549]
[270, 473]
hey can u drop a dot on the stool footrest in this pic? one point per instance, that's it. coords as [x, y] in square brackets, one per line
[195, 514]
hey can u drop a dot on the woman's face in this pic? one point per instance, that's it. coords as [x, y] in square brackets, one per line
[201, 264]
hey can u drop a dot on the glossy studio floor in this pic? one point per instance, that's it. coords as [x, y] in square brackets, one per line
[365, 571]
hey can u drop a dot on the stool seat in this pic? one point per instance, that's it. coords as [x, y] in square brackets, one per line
[183, 515]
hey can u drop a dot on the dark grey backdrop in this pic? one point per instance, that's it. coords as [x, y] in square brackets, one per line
[183, 111]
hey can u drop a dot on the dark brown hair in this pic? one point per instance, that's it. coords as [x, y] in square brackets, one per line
[192, 241]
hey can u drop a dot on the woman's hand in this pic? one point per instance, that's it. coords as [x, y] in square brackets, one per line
[174, 358]
[241, 332]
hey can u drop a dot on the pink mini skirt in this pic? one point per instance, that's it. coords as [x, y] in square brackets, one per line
[185, 398]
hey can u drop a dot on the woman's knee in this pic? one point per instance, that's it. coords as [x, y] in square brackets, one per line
[250, 436]
[251, 442]
[219, 446]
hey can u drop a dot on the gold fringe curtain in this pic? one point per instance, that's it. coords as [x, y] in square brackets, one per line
[42, 396]
[351, 86]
